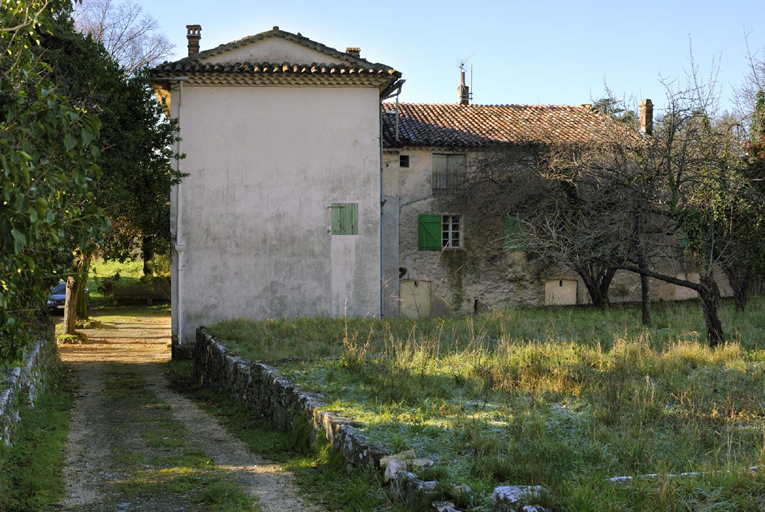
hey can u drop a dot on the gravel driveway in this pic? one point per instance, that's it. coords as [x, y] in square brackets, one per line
[135, 445]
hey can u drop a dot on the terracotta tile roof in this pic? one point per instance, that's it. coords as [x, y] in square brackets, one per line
[475, 126]
[357, 70]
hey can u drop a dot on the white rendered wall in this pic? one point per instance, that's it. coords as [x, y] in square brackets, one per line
[264, 165]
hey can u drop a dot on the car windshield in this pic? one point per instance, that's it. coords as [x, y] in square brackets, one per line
[59, 288]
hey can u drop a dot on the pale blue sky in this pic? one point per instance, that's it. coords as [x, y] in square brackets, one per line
[548, 52]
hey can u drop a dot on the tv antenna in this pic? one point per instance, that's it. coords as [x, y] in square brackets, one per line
[462, 73]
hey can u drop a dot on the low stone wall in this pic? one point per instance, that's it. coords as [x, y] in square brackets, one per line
[23, 384]
[279, 401]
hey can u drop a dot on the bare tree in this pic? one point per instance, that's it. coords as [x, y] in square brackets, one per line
[130, 36]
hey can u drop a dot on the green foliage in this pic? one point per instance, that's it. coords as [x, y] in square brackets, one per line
[136, 140]
[49, 165]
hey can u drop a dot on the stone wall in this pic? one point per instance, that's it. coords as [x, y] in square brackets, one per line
[24, 383]
[279, 401]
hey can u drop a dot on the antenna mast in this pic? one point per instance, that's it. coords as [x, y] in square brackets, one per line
[465, 92]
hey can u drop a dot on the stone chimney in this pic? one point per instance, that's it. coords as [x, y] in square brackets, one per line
[463, 91]
[646, 117]
[353, 52]
[193, 34]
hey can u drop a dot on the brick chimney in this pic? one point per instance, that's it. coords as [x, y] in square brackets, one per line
[193, 34]
[353, 52]
[463, 91]
[646, 117]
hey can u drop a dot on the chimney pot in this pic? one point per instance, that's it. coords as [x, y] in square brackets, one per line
[353, 51]
[193, 34]
[646, 117]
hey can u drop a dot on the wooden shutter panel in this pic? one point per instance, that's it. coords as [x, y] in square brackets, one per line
[429, 232]
[515, 236]
[345, 218]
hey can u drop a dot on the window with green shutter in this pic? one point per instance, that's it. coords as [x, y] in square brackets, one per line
[430, 232]
[345, 218]
[438, 232]
[515, 234]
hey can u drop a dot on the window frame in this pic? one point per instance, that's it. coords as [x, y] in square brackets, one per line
[437, 232]
[452, 178]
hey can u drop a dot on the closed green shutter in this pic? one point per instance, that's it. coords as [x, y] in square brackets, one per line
[430, 232]
[515, 236]
[345, 218]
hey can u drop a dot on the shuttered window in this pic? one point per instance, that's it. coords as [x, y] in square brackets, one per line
[448, 173]
[438, 232]
[345, 218]
[515, 234]
[430, 232]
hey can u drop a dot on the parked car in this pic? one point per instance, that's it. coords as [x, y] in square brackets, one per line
[57, 297]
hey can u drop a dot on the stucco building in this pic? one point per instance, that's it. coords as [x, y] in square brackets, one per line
[279, 215]
[309, 195]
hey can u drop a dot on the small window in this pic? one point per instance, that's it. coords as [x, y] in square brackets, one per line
[448, 173]
[345, 218]
[515, 234]
[403, 161]
[437, 232]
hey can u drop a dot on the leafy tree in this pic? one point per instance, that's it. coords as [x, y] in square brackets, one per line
[48, 161]
[136, 143]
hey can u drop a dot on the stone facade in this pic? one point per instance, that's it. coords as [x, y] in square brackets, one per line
[24, 384]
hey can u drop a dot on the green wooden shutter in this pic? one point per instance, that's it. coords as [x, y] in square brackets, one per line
[429, 232]
[345, 218]
[515, 236]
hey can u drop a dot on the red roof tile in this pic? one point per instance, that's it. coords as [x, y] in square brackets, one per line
[474, 126]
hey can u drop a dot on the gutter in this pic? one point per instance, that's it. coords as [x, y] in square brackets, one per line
[392, 90]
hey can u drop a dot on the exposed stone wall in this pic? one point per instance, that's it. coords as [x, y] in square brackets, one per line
[24, 383]
[279, 401]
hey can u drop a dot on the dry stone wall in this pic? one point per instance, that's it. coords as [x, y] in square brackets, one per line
[280, 402]
[24, 383]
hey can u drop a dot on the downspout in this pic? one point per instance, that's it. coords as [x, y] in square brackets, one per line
[179, 245]
[387, 93]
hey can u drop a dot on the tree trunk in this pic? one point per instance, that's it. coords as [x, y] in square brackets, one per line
[597, 280]
[147, 252]
[740, 281]
[81, 307]
[70, 313]
[710, 302]
[645, 298]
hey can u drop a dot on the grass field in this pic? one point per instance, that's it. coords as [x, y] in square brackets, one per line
[566, 398]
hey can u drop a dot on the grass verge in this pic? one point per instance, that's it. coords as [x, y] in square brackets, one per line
[30, 470]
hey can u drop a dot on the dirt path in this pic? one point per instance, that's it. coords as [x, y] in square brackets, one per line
[135, 445]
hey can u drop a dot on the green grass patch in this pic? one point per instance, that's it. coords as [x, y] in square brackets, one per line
[560, 397]
[30, 470]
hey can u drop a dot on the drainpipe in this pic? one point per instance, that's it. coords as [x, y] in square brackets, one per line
[179, 245]
[392, 90]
